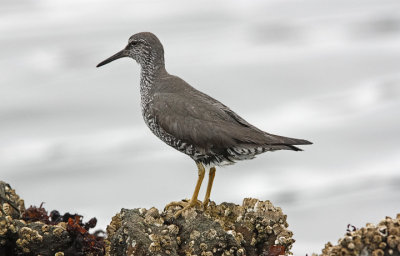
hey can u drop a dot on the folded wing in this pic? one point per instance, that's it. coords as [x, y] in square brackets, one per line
[205, 122]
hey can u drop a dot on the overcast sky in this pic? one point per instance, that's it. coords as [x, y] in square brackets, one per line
[73, 136]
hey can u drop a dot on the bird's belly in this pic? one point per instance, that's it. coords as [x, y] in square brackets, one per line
[207, 157]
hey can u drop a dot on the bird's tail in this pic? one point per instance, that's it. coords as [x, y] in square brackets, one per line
[282, 142]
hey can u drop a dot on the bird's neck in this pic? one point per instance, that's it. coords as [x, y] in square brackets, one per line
[150, 71]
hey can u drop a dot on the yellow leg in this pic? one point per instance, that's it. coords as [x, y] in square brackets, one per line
[201, 172]
[193, 202]
[209, 186]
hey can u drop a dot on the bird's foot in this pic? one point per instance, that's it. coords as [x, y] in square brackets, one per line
[205, 204]
[185, 205]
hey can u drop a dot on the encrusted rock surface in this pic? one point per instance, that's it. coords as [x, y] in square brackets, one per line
[375, 240]
[31, 232]
[18, 237]
[254, 228]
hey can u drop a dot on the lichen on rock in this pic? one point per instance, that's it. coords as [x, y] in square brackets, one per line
[254, 228]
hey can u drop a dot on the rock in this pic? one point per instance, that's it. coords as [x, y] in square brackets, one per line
[32, 232]
[255, 228]
[376, 240]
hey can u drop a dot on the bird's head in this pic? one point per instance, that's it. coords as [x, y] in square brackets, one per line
[143, 47]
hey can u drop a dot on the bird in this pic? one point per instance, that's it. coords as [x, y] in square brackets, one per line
[193, 122]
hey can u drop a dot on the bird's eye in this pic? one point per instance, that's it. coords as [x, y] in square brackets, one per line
[134, 43]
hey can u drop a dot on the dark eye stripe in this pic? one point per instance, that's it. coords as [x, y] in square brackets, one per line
[134, 42]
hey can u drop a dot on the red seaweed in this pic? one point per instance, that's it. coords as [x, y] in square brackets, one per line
[275, 250]
[83, 243]
[34, 213]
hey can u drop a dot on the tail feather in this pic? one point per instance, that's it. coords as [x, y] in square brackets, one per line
[284, 147]
[289, 141]
[281, 142]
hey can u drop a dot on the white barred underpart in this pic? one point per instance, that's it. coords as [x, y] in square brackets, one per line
[243, 153]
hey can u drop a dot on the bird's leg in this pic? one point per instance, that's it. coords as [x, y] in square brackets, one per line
[211, 176]
[192, 202]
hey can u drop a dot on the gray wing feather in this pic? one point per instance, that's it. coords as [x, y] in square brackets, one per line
[205, 122]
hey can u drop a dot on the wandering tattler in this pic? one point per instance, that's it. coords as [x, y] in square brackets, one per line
[191, 121]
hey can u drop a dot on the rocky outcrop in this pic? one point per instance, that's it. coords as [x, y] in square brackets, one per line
[255, 228]
[252, 229]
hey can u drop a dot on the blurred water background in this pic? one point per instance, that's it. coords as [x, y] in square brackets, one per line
[327, 71]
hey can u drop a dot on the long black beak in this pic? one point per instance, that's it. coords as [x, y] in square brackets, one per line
[116, 56]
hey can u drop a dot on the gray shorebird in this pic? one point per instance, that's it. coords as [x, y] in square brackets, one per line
[193, 122]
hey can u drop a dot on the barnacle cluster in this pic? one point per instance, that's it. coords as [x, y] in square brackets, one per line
[135, 232]
[376, 240]
[10, 203]
[266, 223]
[33, 232]
[254, 228]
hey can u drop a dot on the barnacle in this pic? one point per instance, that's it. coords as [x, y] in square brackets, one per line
[370, 240]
